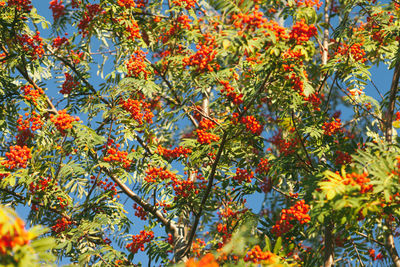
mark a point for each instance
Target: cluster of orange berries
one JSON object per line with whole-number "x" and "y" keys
{"x": 207, "y": 260}
{"x": 173, "y": 153}
{"x": 139, "y": 110}
{"x": 309, "y": 3}
{"x": 227, "y": 213}
{"x": 32, "y": 45}
{"x": 40, "y": 186}
{"x": 12, "y": 233}
{"x": 333, "y": 127}
{"x": 358, "y": 179}
{"x": 27, "y": 126}
{"x": 187, "y": 4}
{"x": 115, "y": 155}
{"x": 69, "y": 84}
{"x": 302, "y": 32}
{"x": 285, "y": 146}
{"x": 63, "y": 121}
{"x": 90, "y": 12}
{"x": 185, "y": 188}
{"x": 154, "y": 174}
{"x": 203, "y": 59}
{"x": 236, "y": 98}
{"x": 249, "y": 21}
{"x": 243, "y": 175}
{"x": 140, "y": 212}
{"x": 315, "y": 100}
{"x": 17, "y": 157}
{"x": 356, "y": 51}
{"x": 204, "y": 137}
{"x": 379, "y": 256}
{"x": 57, "y": 8}
{"x": 21, "y": 5}
{"x": 252, "y": 125}
{"x": 342, "y": 158}
{"x": 298, "y": 213}
{"x": 256, "y": 255}
{"x": 31, "y": 94}
{"x": 183, "y": 22}
{"x": 61, "y": 225}
{"x": 263, "y": 166}
{"x": 136, "y": 65}
{"x": 58, "y": 41}
{"x": 126, "y": 3}
{"x": 107, "y": 187}
{"x": 133, "y": 30}
{"x": 139, "y": 240}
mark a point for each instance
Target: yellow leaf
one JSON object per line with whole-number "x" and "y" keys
{"x": 226, "y": 43}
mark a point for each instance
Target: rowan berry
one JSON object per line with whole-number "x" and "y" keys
{"x": 256, "y": 255}
{"x": 296, "y": 213}
{"x": 17, "y": 157}
{"x": 63, "y": 121}
{"x": 138, "y": 241}
{"x": 57, "y": 8}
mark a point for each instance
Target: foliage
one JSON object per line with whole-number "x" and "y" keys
{"x": 157, "y": 126}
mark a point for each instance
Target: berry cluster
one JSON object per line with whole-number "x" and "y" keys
{"x": 58, "y": 41}
{"x": 243, "y": 175}
{"x": 21, "y": 5}
{"x": 69, "y": 84}
{"x": 17, "y": 157}
{"x": 207, "y": 260}
{"x": 198, "y": 246}
{"x": 361, "y": 180}
{"x": 154, "y": 174}
{"x": 285, "y": 146}
{"x": 140, "y": 212}
{"x": 173, "y": 153}
{"x": 301, "y": 32}
{"x": 331, "y": 128}
{"x": 136, "y": 65}
{"x": 115, "y": 155}
{"x": 40, "y": 186}
{"x": 256, "y": 255}
{"x": 309, "y": 3}
{"x": 12, "y": 233}
{"x": 90, "y": 12}
{"x": 126, "y": 3}
{"x": 27, "y": 126}
{"x": 204, "y": 137}
{"x": 187, "y": 4}
{"x": 263, "y": 166}
{"x": 298, "y": 213}
{"x": 315, "y": 100}
{"x": 61, "y": 225}
{"x": 379, "y": 256}
{"x": 342, "y": 158}
{"x": 183, "y": 22}
{"x": 63, "y": 121}
{"x": 139, "y": 109}
{"x": 31, "y": 94}
{"x": 252, "y": 125}
{"x": 33, "y": 46}
{"x": 109, "y": 187}
{"x": 355, "y": 51}
{"x": 203, "y": 59}
{"x": 249, "y": 22}
{"x": 139, "y": 240}
{"x": 57, "y": 8}
{"x": 236, "y": 98}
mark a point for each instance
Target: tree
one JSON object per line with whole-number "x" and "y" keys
{"x": 178, "y": 112}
